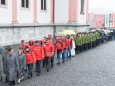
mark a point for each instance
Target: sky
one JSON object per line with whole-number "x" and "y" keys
{"x": 102, "y": 6}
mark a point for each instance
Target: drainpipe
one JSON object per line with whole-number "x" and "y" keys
{"x": 54, "y": 27}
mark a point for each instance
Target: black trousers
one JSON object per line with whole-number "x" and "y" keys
{"x": 48, "y": 60}
{"x": 30, "y": 68}
{"x": 44, "y": 62}
{"x": 52, "y": 61}
{"x": 38, "y": 66}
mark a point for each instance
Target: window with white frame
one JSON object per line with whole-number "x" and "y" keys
{"x": 25, "y": 3}
{"x": 43, "y": 4}
{"x": 2, "y": 2}
{"x": 82, "y": 6}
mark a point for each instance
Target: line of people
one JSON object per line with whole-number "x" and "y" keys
{"x": 33, "y": 53}
{"x": 85, "y": 41}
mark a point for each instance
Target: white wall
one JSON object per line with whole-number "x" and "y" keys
{"x": 6, "y": 13}
{"x": 82, "y": 17}
{"x": 24, "y": 15}
{"x": 61, "y": 11}
{"x": 44, "y": 16}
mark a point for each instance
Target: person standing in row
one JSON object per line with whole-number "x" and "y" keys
{"x": 69, "y": 44}
{"x": 44, "y": 60}
{"x": 50, "y": 38}
{"x": 73, "y": 47}
{"x": 64, "y": 53}
{"x": 2, "y": 52}
{"x": 23, "y": 44}
{"x": 31, "y": 45}
{"x": 30, "y": 60}
{"x": 22, "y": 64}
{"x": 39, "y": 54}
{"x": 12, "y": 66}
{"x": 59, "y": 49}
{"x": 49, "y": 53}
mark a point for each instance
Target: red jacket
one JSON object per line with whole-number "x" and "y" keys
{"x": 30, "y": 57}
{"x": 58, "y": 46}
{"x": 64, "y": 44}
{"x": 69, "y": 42}
{"x": 39, "y": 52}
{"x": 23, "y": 45}
{"x": 48, "y": 50}
{"x": 31, "y": 47}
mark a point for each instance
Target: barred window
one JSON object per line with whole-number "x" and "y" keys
{"x": 43, "y": 4}
{"x": 25, "y": 3}
{"x": 82, "y": 6}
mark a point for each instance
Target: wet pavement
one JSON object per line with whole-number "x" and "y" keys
{"x": 95, "y": 67}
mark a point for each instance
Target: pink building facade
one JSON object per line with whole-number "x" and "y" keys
{"x": 43, "y": 11}
{"x": 35, "y": 19}
{"x": 113, "y": 20}
{"x": 96, "y": 20}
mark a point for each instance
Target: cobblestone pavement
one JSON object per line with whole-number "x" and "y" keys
{"x": 95, "y": 67}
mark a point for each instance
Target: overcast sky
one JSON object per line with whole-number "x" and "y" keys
{"x": 102, "y": 6}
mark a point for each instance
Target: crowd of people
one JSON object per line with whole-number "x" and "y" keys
{"x": 85, "y": 41}
{"x": 40, "y": 53}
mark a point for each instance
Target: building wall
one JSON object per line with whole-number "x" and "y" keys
{"x": 61, "y": 11}
{"x": 14, "y": 34}
{"x": 113, "y": 20}
{"x": 44, "y": 16}
{"x": 6, "y": 13}
{"x": 25, "y": 15}
{"x": 99, "y": 21}
{"x": 82, "y": 17}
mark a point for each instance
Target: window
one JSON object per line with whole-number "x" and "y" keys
{"x": 25, "y": 3}
{"x": 82, "y": 7}
{"x": 3, "y": 2}
{"x": 43, "y": 4}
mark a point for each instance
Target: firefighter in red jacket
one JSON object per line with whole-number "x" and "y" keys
{"x": 49, "y": 53}
{"x": 30, "y": 60}
{"x": 64, "y": 44}
{"x": 69, "y": 45}
{"x": 59, "y": 49}
{"x": 39, "y": 53}
{"x": 31, "y": 45}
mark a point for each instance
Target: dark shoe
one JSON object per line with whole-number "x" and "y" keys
{"x": 47, "y": 70}
{"x": 58, "y": 64}
{"x": 38, "y": 74}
